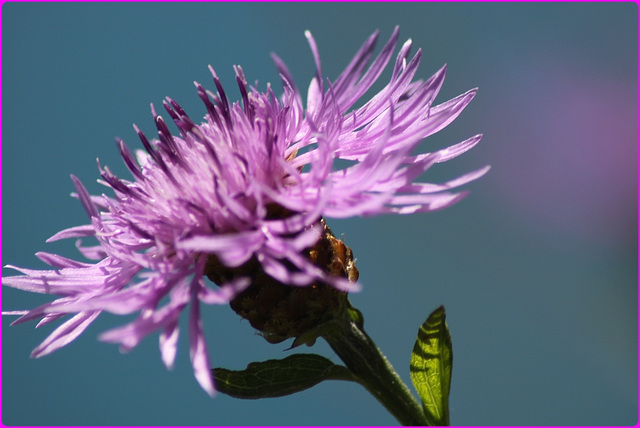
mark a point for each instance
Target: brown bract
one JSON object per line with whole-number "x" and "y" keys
{"x": 282, "y": 311}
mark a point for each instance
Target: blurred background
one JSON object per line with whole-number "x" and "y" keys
{"x": 537, "y": 268}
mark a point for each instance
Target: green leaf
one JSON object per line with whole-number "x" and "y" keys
{"x": 431, "y": 362}
{"x": 275, "y": 378}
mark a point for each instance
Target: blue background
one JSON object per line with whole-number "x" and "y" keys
{"x": 537, "y": 268}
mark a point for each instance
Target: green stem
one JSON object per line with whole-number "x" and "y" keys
{"x": 373, "y": 371}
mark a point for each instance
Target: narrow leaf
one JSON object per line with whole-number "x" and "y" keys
{"x": 275, "y": 378}
{"x": 431, "y": 362}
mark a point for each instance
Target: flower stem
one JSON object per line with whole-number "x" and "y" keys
{"x": 373, "y": 371}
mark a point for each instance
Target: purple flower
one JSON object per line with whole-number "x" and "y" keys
{"x": 253, "y": 182}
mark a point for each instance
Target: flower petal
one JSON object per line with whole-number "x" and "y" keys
{"x": 65, "y": 333}
{"x": 198, "y": 350}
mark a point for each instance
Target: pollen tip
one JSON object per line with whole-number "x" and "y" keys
{"x": 213, "y": 72}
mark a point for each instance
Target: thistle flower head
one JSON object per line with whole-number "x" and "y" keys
{"x": 241, "y": 199}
